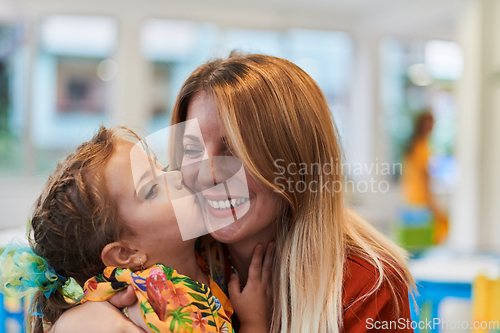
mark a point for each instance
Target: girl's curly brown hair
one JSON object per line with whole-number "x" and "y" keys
{"x": 73, "y": 219}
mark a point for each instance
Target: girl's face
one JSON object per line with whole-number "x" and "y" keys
{"x": 256, "y": 215}
{"x": 146, "y": 203}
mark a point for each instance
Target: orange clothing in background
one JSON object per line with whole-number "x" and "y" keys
{"x": 414, "y": 179}
{"x": 415, "y": 182}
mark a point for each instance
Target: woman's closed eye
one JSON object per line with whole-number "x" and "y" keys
{"x": 193, "y": 151}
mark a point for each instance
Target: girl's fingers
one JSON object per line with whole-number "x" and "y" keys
{"x": 268, "y": 263}
{"x": 255, "y": 269}
{"x": 234, "y": 287}
{"x": 124, "y": 298}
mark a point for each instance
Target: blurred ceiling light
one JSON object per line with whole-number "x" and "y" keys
{"x": 419, "y": 75}
{"x": 167, "y": 39}
{"x": 444, "y": 59}
{"x": 107, "y": 69}
{"x": 93, "y": 36}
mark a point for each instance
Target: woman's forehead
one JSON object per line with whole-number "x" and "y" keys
{"x": 201, "y": 105}
{"x": 202, "y": 108}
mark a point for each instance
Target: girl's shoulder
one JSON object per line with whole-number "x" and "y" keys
{"x": 366, "y": 304}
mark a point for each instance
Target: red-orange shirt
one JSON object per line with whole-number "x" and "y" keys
{"x": 377, "y": 312}
{"x": 359, "y": 278}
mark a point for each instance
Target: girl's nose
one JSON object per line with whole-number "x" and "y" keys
{"x": 174, "y": 179}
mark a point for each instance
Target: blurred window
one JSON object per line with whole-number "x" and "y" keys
{"x": 71, "y": 88}
{"x": 176, "y": 48}
{"x": 11, "y": 149}
{"x": 420, "y": 75}
{"x": 79, "y": 88}
{"x": 73, "y": 65}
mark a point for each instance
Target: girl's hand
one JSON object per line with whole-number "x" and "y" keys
{"x": 134, "y": 314}
{"x": 254, "y": 303}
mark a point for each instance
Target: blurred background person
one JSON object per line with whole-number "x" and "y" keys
{"x": 416, "y": 181}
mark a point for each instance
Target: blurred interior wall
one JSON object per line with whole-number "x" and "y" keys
{"x": 476, "y": 207}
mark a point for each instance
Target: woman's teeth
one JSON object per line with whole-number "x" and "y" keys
{"x": 220, "y": 205}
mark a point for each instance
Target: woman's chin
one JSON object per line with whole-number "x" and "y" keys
{"x": 228, "y": 234}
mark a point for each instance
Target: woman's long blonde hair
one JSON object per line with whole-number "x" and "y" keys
{"x": 273, "y": 114}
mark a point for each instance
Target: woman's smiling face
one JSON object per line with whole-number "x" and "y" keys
{"x": 253, "y": 208}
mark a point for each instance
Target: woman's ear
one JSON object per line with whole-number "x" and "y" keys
{"x": 119, "y": 254}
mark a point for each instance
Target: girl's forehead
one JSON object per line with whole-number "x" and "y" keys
{"x": 118, "y": 168}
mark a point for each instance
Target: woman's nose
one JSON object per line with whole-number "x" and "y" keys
{"x": 217, "y": 169}
{"x": 206, "y": 174}
{"x": 174, "y": 179}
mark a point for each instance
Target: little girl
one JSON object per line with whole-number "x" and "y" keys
{"x": 94, "y": 225}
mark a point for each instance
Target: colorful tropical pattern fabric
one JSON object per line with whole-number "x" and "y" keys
{"x": 215, "y": 260}
{"x": 169, "y": 301}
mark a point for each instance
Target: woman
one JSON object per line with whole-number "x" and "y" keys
{"x": 416, "y": 182}
{"x": 333, "y": 271}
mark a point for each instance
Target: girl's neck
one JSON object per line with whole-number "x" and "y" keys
{"x": 185, "y": 263}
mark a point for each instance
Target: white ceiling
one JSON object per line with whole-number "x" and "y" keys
{"x": 424, "y": 18}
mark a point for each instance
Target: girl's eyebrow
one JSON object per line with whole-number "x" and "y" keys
{"x": 148, "y": 172}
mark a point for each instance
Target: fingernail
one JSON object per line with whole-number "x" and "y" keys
{"x": 233, "y": 270}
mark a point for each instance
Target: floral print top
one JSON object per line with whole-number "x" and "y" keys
{"x": 214, "y": 259}
{"x": 169, "y": 301}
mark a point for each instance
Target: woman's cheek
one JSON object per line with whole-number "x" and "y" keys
{"x": 190, "y": 173}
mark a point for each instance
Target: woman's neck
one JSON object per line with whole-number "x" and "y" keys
{"x": 241, "y": 252}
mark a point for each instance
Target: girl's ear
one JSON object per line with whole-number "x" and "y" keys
{"x": 119, "y": 254}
